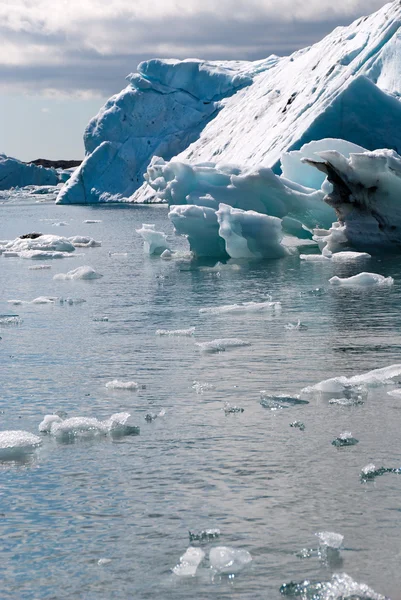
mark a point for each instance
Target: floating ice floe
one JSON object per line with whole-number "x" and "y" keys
{"x": 243, "y": 307}
{"x": 340, "y": 586}
{"x": 15, "y": 444}
{"x": 100, "y": 319}
{"x": 221, "y": 344}
{"x": 155, "y": 242}
{"x": 363, "y": 280}
{"x": 370, "y": 472}
{"x": 228, "y": 561}
{"x": 176, "y": 332}
{"x": 39, "y": 268}
{"x": 10, "y": 320}
{"x": 230, "y": 409}
{"x": 277, "y": 402}
{"x": 103, "y": 561}
{"x": 200, "y": 388}
{"x": 84, "y": 273}
{"x": 189, "y": 562}
{"x": 355, "y": 400}
{"x": 396, "y": 393}
{"x": 355, "y": 387}
{"x": 345, "y": 439}
{"x": 74, "y": 427}
{"x": 60, "y": 224}
{"x": 205, "y": 535}
{"x": 150, "y": 417}
{"x": 116, "y": 384}
{"x": 337, "y": 257}
{"x": 93, "y": 221}
{"x": 330, "y": 539}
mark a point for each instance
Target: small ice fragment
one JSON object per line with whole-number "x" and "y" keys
{"x": 100, "y": 319}
{"x": 46, "y": 424}
{"x": 88, "y": 427}
{"x": 345, "y": 439}
{"x": 10, "y": 320}
{"x": 316, "y": 292}
{"x": 363, "y": 280}
{"x": 228, "y": 561}
{"x": 79, "y": 241}
{"x": 44, "y": 300}
{"x": 84, "y": 273}
{"x": 189, "y": 562}
{"x": 116, "y": 384}
{"x": 244, "y": 307}
{"x": 314, "y": 257}
{"x": 202, "y": 387}
{"x": 166, "y": 255}
{"x": 155, "y": 242}
{"x": 149, "y": 417}
{"x": 103, "y": 561}
{"x": 221, "y": 344}
{"x": 274, "y": 402}
{"x": 295, "y": 326}
{"x": 229, "y": 409}
{"x": 14, "y": 444}
{"x": 204, "y": 535}
{"x": 60, "y": 224}
{"x": 306, "y": 553}
{"x": 329, "y": 539}
{"x": 39, "y": 267}
{"x": 396, "y": 393}
{"x": 92, "y": 221}
{"x": 347, "y": 401}
{"x": 176, "y": 332}
{"x": 341, "y": 586}
{"x": 298, "y": 425}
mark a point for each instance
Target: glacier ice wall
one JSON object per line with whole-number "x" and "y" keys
{"x": 14, "y": 173}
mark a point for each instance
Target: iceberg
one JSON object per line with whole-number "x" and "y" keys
{"x": 199, "y": 225}
{"x": 189, "y": 562}
{"x": 65, "y": 429}
{"x": 14, "y": 173}
{"x": 186, "y": 109}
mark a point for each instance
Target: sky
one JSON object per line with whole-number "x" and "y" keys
{"x": 61, "y": 59}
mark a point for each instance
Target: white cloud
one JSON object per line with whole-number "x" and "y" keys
{"x": 84, "y": 45}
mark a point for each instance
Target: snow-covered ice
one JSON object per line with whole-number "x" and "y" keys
{"x": 116, "y": 384}
{"x": 228, "y": 561}
{"x": 15, "y": 444}
{"x": 363, "y": 280}
{"x": 221, "y": 344}
{"x": 189, "y": 562}
{"x": 84, "y": 273}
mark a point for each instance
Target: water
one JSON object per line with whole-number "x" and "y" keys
{"x": 129, "y": 503}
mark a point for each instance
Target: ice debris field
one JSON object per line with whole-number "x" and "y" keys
{"x": 259, "y": 163}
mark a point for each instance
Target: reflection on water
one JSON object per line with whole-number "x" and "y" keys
{"x": 264, "y": 485}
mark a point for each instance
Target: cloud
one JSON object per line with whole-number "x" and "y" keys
{"x": 84, "y": 47}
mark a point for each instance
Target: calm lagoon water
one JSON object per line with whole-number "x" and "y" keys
{"x": 268, "y": 487}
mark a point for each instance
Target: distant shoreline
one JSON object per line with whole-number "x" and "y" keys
{"x": 56, "y": 164}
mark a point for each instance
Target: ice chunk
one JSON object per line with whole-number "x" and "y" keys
{"x": 228, "y": 561}
{"x": 155, "y": 241}
{"x": 248, "y": 234}
{"x": 93, "y": 221}
{"x": 396, "y": 393}
{"x": 176, "y": 332}
{"x": 100, "y": 319}
{"x": 345, "y": 439}
{"x": 84, "y": 273}
{"x": 149, "y": 417}
{"x": 39, "y": 243}
{"x": 363, "y": 280}
{"x": 44, "y": 300}
{"x": 349, "y": 256}
{"x": 15, "y": 444}
{"x": 202, "y": 387}
{"x": 340, "y": 587}
{"x": 39, "y": 267}
{"x": 189, "y": 562}
{"x": 10, "y": 320}
{"x": 329, "y": 539}
{"x": 298, "y": 424}
{"x": 79, "y": 241}
{"x": 356, "y": 386}
{"x": 60, "y": 224}
{"x": 243, "y": 307}
{"x": 230, "y": 409}
{"x": 355, "y": 401}
{"x": 73, "y": 427}
{"x": 116, "y": 384}
{"x": 103, "y": 561}
{"x": 199, "y": 225}
{"x": 314, "y": 257}
{"x": 295, "y": 326}
{"x": 221, "y": 344}
{"x": 166, "y": 255}
{"x": 273, "y": 402}
{"x": 204, "y": 535}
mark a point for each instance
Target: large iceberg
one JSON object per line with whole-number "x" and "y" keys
{"x": 14, "y": 173}
{"x": 346, "y": 86}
